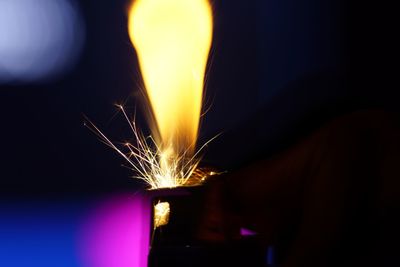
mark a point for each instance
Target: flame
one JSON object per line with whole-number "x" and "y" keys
{"x": 172, "y": 39}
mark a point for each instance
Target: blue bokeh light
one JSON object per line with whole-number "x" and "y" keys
{"x": 40, "y": 233}
{"x": 39, "y": 39}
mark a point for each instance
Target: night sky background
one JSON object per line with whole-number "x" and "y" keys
{"x": 278, "y": 70}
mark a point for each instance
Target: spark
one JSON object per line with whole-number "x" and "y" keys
{"x": 151, "y": 164}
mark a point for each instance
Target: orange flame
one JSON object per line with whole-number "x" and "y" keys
{"x": 172, "y": 39}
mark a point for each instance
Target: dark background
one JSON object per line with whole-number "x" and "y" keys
{"x": 279, "y": 69}
{"x": 287, "y": 58}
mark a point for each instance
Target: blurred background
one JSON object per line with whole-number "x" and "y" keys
{"x": 278, "y": 69}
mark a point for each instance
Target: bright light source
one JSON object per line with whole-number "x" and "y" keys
{"x": 172, "y": 41}
{"x": 161, "y": 214}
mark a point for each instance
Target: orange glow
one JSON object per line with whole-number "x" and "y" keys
{"x": 172, "y": 39}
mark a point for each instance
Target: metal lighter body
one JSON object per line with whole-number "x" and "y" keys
{"x": 174, "y": 240}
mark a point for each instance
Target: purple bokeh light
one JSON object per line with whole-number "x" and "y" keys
{"x": 247, "y": 232}
{"x": 116, "y": 233}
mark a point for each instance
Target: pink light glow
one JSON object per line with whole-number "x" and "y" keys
{"x": 116, "y": 233}
{"x": 247, "y": 232}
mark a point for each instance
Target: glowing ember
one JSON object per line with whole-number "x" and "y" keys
{"x": 172, "y": 40}
{"x": 161, "y": 214}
